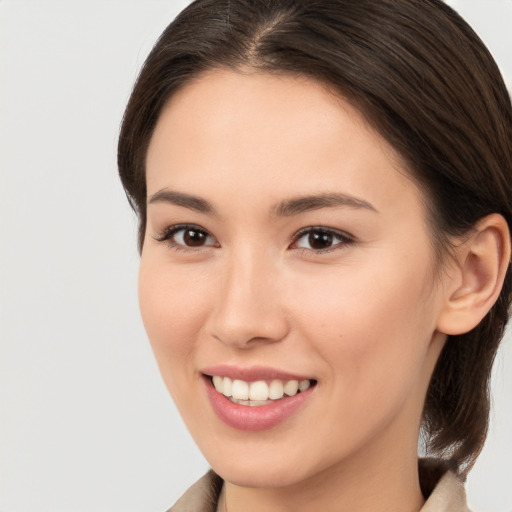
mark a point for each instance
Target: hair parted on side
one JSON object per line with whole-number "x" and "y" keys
{"x": 424, "y": 80}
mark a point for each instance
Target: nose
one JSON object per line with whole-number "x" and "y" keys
{"x": 248, "y": 309}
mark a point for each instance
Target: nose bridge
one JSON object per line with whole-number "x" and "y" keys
{"x": 248, "y": 306}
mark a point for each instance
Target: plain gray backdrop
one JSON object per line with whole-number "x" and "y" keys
{"x": 85, "y": 421}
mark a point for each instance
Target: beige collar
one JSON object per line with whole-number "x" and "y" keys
{"x": 447, "y": 496}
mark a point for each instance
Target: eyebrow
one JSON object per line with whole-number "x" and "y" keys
{"x": 286, "y": 208}
{"x": 304, "y": 204}
{"x": 180, "y": 199}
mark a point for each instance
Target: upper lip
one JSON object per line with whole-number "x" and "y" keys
{"x": 252, "y": 373}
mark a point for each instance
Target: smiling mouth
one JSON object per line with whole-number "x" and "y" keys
{"x": 259, "y": 393}
{"x": 256, "y": 398}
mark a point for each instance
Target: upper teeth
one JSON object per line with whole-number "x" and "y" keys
{"x": 259, "y": 390}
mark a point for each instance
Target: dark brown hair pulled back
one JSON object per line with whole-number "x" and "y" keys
{"x": 424, "y": 81}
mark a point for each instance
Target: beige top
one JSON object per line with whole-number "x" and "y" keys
{"x": 447, "y": 496}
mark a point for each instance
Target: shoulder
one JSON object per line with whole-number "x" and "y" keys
{"x": 200, "y": 497}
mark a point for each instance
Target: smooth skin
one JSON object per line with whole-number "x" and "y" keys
{"x": 344, "y": 288}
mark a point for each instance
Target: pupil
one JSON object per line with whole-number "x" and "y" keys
{"x": 194, "y": 238}
{"x": 320, "y": 240}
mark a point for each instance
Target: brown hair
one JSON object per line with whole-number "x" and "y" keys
{"x": 425, "y": 81}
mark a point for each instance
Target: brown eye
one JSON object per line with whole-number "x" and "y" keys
{"x": 194, "y": 238}
{"x": 321, "y": 239}
{"x": 183, "y": 236}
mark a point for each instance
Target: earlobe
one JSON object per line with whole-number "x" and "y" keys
{"x": 474, "y": 281}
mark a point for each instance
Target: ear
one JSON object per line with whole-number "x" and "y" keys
{"x": 473, "y": 283}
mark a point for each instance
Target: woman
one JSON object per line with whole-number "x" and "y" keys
{"x": 324, "y": 195}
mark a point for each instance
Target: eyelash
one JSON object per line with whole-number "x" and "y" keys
{"x": 343, "y": 239}
{"x": 168, "y": 236}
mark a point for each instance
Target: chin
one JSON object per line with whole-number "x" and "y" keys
{"x": 257, "y": 475}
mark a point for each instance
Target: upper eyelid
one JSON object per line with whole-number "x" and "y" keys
{"x": 171, "y": 230}
{"x": 337, "y": 232}
{"x": 344, "y": 239}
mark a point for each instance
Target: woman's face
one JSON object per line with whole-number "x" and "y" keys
{"x": 286, "y": 248}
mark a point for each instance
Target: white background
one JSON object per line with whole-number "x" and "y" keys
{"x": 85, "y": 422}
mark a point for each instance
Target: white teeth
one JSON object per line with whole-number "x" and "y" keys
{"x": 304, "y": 384}
{"x": 291, "y": 387}
{"x": 276, "y": 390}
{"x": 250, "y": 403}
{"x": 227, "y": 386}
{"x": 240, "y": 390}
{"x": 218, "y": 383}
{"x": 258, "y": 392}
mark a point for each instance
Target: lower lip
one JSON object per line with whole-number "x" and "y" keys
{"x": 263, "y": 417}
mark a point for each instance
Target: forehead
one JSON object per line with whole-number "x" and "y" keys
{"x": 271, "y": 135}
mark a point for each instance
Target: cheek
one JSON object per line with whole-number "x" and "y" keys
{"x": 172, "y": 304}
{"x": 372, "y": 325}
